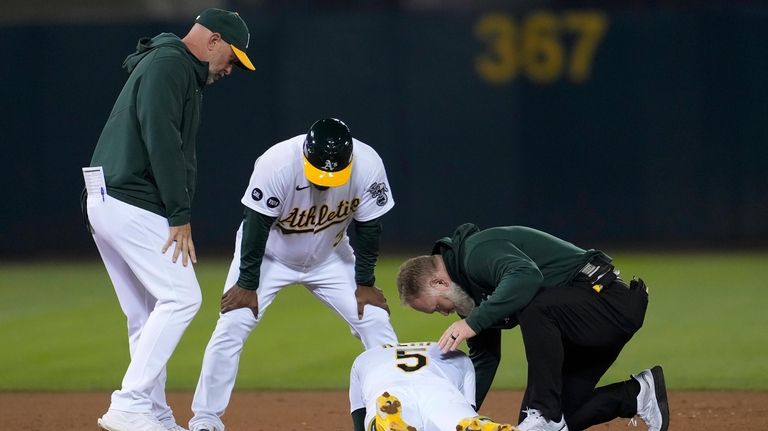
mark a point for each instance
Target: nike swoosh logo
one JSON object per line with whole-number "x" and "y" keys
{"x": 298, "y": 188}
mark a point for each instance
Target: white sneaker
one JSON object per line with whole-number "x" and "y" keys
{"x": 536, "y": 422}
{"x": 116, "y": 420}
{"x": 652, "y": 405}
{"x": 169, "y": 422}
{"x": 205, "y": 427}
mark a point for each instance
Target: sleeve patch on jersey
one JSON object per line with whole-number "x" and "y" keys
{"x": 272, "y": 202}
{"x": 257, "y": 194}
{"x": 379, "y": 191}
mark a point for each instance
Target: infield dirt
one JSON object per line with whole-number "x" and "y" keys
{"x": 328, "y": 411}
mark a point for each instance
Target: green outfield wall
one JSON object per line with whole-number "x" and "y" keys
{"x": 634, "y": 124}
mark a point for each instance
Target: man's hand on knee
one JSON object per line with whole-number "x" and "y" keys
{"x": 370, "y": 295}
{"x": 237, "y": 297}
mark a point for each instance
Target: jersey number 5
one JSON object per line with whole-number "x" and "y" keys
{"x": 405, "y": 358}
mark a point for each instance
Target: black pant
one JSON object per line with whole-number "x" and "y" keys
{"x": 572, "y": 335}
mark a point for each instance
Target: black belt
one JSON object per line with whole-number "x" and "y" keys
{"x": 597, "y": 269}
{"x": 599, "y": 273}
{"x": 84, "y": 209}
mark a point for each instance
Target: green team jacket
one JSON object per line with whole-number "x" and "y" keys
{"x": 502, "y": 268}
{"x": 147, "y": 147}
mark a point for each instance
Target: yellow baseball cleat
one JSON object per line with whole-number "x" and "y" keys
{"x": 388, "y": 414}
{"x": 482, "y": 423}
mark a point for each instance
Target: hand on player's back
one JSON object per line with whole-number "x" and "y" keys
{"x": 369, "y": 295}
{"x": 237, "y": 297}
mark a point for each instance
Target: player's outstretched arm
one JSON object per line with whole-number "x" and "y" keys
{"x": 366, "y": 243}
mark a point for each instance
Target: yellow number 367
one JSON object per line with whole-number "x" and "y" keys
{"x": 544, "y": 46}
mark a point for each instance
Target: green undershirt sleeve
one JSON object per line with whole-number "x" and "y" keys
{"x": 255, "y": 233}
{"x": 358, "y": 419}
{"x": 365, "y": 243}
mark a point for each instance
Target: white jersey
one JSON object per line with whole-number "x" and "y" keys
{"x": 436, "y": 390}
{"x": 312, "y": 223}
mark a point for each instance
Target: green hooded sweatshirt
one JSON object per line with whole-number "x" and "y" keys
{"x": 502, "y": 269}
{"x": 147, "y": 147}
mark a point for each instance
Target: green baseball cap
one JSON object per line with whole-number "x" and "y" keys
{"x": 232, "y": 29}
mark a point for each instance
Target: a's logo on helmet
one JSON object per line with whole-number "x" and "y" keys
{"x": 329, "y": 165}
{"x": 379, "y": 191}
{"x": 257, "y": 194}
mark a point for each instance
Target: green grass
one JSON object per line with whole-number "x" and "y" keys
{"x": 61, "y": 328}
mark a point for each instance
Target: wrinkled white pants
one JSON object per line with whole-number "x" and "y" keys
{"x": 159, "y": 297}
{"x": 332, "y": 282}
{"x": 437, "y": 406}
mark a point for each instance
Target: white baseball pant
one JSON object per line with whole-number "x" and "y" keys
{"x": 159, "y": 297}
{"x": 438, "y": 406}
{"x": 332, "y": 282}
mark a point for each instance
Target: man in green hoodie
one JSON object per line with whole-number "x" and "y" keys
{"x": 139, "y": 190}
{"x": 574, "y": 311}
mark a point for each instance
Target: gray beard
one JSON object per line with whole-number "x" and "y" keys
{"x": 461, "y": 300}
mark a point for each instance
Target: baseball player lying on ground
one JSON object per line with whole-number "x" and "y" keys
{"x": 415, "y": 387}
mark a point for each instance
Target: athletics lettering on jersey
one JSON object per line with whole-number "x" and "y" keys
{"x": 311, "y": 224}
{"x": 316, "y": 219}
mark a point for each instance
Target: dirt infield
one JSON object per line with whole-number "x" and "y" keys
{"x": 327, "y": 411}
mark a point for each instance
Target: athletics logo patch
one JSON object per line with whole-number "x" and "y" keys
{"x": 257, "y": 194}
{"x": 379, "y": 191}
